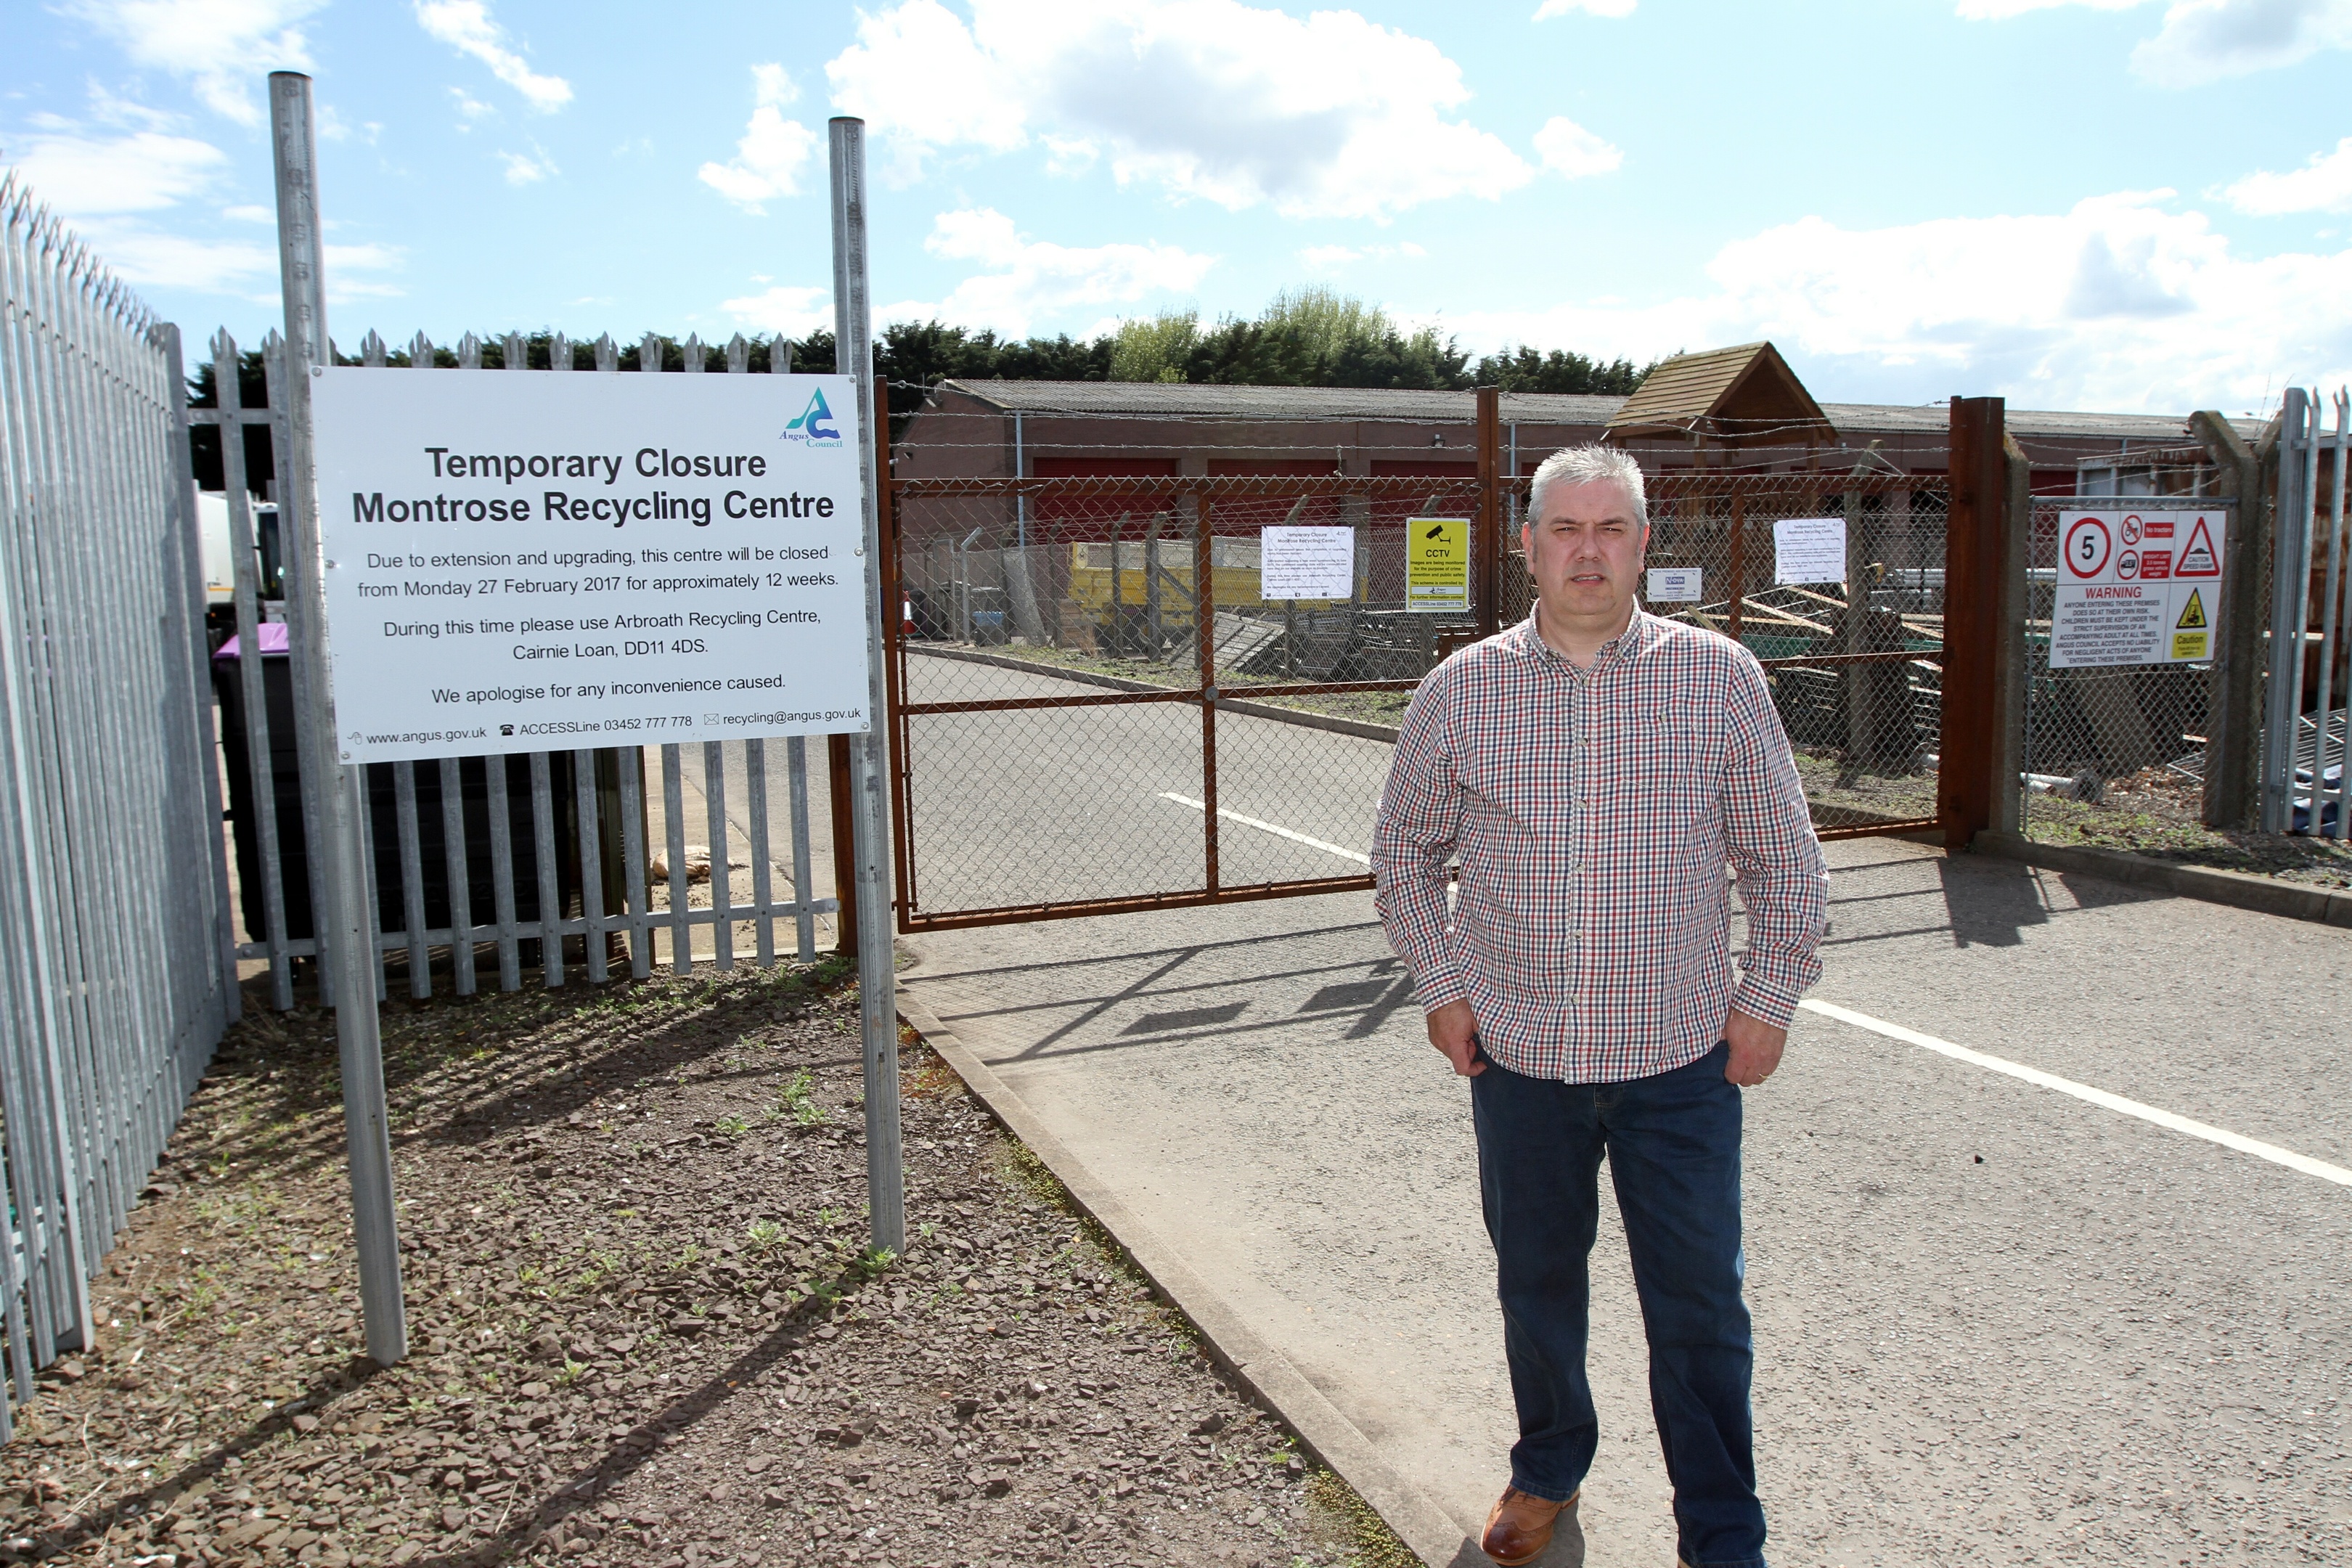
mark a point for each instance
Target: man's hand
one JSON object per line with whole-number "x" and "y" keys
{"x": 1453, "y": 1030}
{"x": 1755, "y": 1045}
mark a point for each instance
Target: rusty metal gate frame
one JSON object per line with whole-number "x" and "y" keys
{"x": 1203, "y": 493}
{"x": 1496, "y": 502}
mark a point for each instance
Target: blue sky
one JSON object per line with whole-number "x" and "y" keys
{"x": 2094, "y": 204}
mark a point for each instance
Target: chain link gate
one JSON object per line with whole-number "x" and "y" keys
{"x": 2114, "y": 753}
{"x": 1855, "y": 667}
{"x": 1064, "y": 742}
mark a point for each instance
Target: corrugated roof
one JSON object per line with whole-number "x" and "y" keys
{"x": 1178, "y": 400}
{"x": 1135, "y": 399}
{"x": 1936, "y": 419}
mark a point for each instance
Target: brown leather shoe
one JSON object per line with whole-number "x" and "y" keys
{"x": 1519, "y": 1526}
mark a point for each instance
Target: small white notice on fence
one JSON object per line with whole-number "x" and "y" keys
{"x": 1298, "y": 563}
{"x": 527, "y": 563}
{"x": 2137, "y": 587}
{"x": 1808, "y": 550}
{"x": 1675, "y": 586}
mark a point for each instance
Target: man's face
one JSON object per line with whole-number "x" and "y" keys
{"x": 1585, "y": 552}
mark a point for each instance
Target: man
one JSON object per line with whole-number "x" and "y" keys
{"x": 1594, "y": 769}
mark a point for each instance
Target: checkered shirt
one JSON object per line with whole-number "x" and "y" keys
{"x": 1593, "y": 813}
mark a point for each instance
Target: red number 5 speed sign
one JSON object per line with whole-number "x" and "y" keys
{"x": 2086, "y": 547}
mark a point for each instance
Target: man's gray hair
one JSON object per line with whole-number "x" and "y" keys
{"x": 1591, "y": 465}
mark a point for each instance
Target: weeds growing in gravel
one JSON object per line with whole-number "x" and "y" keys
{"x": 799, "y": 1101}
{"x": 621, "y": 1355}
{"x": 1369, "y": 1543}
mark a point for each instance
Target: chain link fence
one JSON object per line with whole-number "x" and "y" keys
{"x": 1068, "y": 745}
{"x": 1099, "y": 707}
{"x": 2115, "y": 755}
{"x": 1856, "y": 677}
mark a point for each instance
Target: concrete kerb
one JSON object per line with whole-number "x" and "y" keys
{"x": 2238, "y": 889}
{"x": 1327, "y": 1436}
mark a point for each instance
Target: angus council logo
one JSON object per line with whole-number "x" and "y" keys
{"x": 815, "y": 423}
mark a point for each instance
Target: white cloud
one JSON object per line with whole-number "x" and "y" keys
{"x": 2205, "y": 40}
{"x": 774, "y": 150}
{"x": 342, "y": 288}
{"x": 225, "y": 46}
{"x": 1550, "y": 8}
{"x": 2323, "y": 185}
{"x": 470, "y": 108}
{"x": 333, "y": 127}
{"x": 112, "y": 188}
{"x": 2125, "y": 302}
{"x": 2002, "y": 10}
{"x": 150, "y": 258}
{"x": 1332, "y": 116}
{"x": 467, "y": 26}
{"x": 1022, "y": 278}
{"x": 86, "y": 176}
{"x": 795, "y": 312}
{"x": 1332, "y": 257}
{"x": 528, "y": 168}
{"x": 1571, "y": 150}
{"x": 770, "y": 83}
{"x": 920, "y": 77}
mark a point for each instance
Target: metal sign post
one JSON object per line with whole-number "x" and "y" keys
{"x": 877, "y": 988}
{"x": 351, "y": 948}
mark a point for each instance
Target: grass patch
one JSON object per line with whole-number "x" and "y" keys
{"x": 1362, "y": 1538}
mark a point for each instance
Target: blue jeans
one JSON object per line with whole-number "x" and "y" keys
{"x": 1673, "y": 1142}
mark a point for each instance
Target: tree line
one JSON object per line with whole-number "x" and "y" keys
{"x": 1305, "y": 337}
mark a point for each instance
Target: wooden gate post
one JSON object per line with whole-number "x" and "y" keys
{"x": 1973, "y": 535}
{"x": 1487, "y": 570}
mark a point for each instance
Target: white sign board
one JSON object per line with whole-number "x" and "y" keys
{"x": 1808, "y": 550}
{"x": 1675, "y": 586}
{"x": 1296, "y": 562}
{"x": 520, "y": 563}
{"x": 2137, "y": 587}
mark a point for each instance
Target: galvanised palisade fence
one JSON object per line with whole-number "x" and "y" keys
{"x": 522, "y": 856}
{"x": 2303, "y": 745}
{"x": 115, "y": 985}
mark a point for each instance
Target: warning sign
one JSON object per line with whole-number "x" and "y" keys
{"x": 2119, "y": 602}
{"x": 2197, "y": 557}
{"x": 2191, "y": 637}
{"x": 1437, "y": 565}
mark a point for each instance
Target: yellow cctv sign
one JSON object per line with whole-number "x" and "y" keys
{"x": 1437, "y": 563}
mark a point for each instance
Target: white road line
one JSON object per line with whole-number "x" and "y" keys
{"x": 2099, "y": 1097}
{"x": 1269, "y": 827}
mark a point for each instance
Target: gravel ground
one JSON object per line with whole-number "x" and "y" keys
{"x": 645, "y": 1325}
